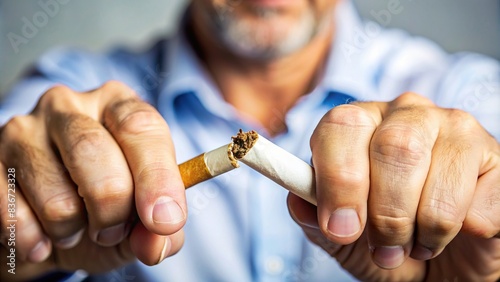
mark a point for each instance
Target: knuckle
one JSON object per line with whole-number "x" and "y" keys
{"x": 349, "y": 115}
{"x": 159, "y": 171}
{"x": 16, "y": 126}
{"x": 85, "y": 143}
{"x": 391, "y": 226}
{"x": 118, "y": 90}
{"x": 440, "y": 217}
{"x": 61, "y": 207}
{"x": 409, "y": 98}
{"x": 440, "y": 226}
{"x": 117, "y": 87}
{"x": 400, "y": 146}
{"x": 480, "y": 224}
{"x": 51, "y": 97}
{"x": 347, "y": 178}
{"x": 140, "y": 121}
{"x": 106, "y": 191}
{"x": 463, "y": 120}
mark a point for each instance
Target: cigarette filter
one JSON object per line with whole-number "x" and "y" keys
{"x": 207, "y": 166}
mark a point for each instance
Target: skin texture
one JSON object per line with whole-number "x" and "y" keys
{"x": 402, "y": 173}
{"x": 263, "y": 89}
{"x": 263, "y": 31}
{"x": 417, "y": 176}
{"x": 63, "y": 188}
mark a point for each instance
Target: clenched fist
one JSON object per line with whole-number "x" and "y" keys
{"x": 97, "y": 183}
{"x": 406, "y": 191}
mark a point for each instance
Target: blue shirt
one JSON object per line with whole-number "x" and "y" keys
{"x": 238, "y": 226}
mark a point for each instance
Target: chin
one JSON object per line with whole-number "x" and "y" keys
{"x": 263, "y": 32}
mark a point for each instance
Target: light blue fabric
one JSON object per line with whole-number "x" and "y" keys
{"x": 238, "y": 227}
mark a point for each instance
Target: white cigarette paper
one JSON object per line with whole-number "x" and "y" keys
{"x": 218, "y": 161}
{"x": 262, "y": 155}
{"x": 207, "y": 165}
{"x": 276, "y": 164}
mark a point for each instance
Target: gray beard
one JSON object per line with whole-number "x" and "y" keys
{"x": 264, "y": 41}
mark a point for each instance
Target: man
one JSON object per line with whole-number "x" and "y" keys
{"x": 407, "y": 190}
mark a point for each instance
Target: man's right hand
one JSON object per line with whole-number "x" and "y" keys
{"x": 97, "y": 183}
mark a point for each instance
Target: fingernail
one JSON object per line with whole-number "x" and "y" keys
{"x": 71, "y": 241}
{"x": 111, "y": 235}
{"x": 40, "y": 252}
{"x": 421, "y": 253}
{"x": 388, "y": 257}
{"x": 165, "y": 250}
{"x": 344, "y": 223}
{"x": 166, "y": 210}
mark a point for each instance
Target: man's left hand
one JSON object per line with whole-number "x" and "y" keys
{"x": 402, "y": 183}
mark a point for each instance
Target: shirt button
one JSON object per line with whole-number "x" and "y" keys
{"x": 274, "y": 265}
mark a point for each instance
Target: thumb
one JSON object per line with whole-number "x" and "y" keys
{"x": 150, "y": 248}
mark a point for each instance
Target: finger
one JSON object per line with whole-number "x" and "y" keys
{"x": 351, "y": 256}
{"x": 400, "y": 157}
{"x": 46, "y": 186}
{"x": 302, "y": 212}
{"x": 482, "y": 218}
{"x": 145, "y": 140}
{"x": 450, "y": 186}
{"x": 152, "y": 249}
{"x": 96, "y": 164}
{"x": 340, "y": 156}
{"x": 305, "y": 215}
{"x": 21, "y": 234}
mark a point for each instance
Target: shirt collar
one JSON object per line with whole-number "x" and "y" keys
{"x": 346, "y": 71}
{"x": 343, "y": 71}
{"x": 186, "y": 74}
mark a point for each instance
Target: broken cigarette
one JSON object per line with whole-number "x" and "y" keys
{"x": 275, "y": 163}
{"x": 260, "y": 154}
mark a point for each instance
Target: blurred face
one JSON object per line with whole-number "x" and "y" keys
{"x": 265, "y": 29}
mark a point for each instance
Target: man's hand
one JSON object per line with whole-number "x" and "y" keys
{"x": 402, "y": 183}
{"x": 87, "y": 165}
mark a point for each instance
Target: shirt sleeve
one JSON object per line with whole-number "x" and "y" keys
{"x": 78, "y": 70}
{"x": 466, "y": 81}
{"x": 472, "y": 84}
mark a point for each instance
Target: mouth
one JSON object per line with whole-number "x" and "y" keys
{"x": 271, "y": 3}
